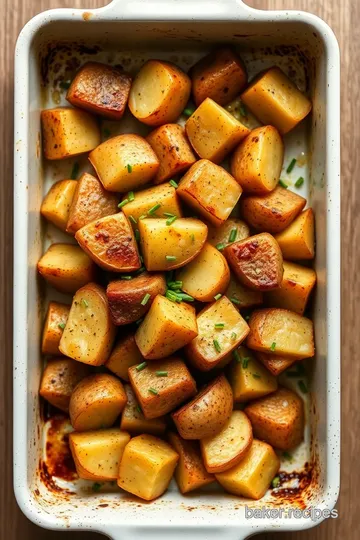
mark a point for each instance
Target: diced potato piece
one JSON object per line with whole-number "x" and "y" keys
{"x": 248, "y": 378}
{"x": 129, "y": 300}
{"x": 215, "y": 341}
{"x": 159, "y": 93}
{"x": 226, "y": 449}
{"x": 221, "y": 235}
{"x": 205, "y": 276}
{"x": 210, "y": 190}
{"x": 207, "y": 413}
{"x": 145, "y": 200}
{"x": 241, "y": 296}
{"x": 275, "y": 363}
{"x": 124, "y": 355}
{"x": 278, "y": 419}
{"x": 133, "y": 420}
{"x": 166, "y": 247}
{"x": 213, "y": 132}
{"x": 147, "y": 466}
{"x": 256, "y": 261}
{"x": 172, "y": 149}
{"x": 100, "y": 89}
{"x": 66, "y": 267}
{"x": 59, "y": 379}
{"x": 110, "y": 242}
{"x": 89, "y": 333}
{"x": 160, "y": 394}
{"x": 190, "y": 473}
{"x": 297, "y": 240}
{"x": 281, "y": 332}
{"x": 273, "y": 212}
{"x": 97, "y": 454}
{"x": 96, "y": 402}
{"x": 252, "y": 476}
{"x": 90, "y": 202}
{"x": 124, "y": 162}
{"x": 296, "y": 286}
{"x": 275, "y": 100}
{"x": 57, "y": 202}
{"x": 54, "y": 325}
{"x": 68, "y": 132}
{"x": 220, "y": 75}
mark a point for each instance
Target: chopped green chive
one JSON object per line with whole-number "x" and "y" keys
{"x": 125, "y": 201}
{"x": 153, "y": 391}
{"x": 276, "y": 482}
{"x": 188, "y": 111}
{"x": 65, "y": 85}
{"x": 217, "y": 345}
{"x": 106, "y": 133}
{"x": 233, "y": 234}
{"x": 161, "y": 373}
{"x": 273, "y": 346}
{"x": 247, "y": 317}
{"x": 173, "y": 184}
{"x": 140, "y": 271}
{"x": 141, "y": 366}
{"x": 168, "y": 214}
{"x": 96, "y": 486}
{"x": 237, "y": 356}
{"x": 137, "y": 235}
{"x": 256, "y": 376}
{"x": 291, "y": 165}
{"x": 61, "y": 325}
{"x": 126, "y": 277}
{"x": 175, "y": 285}
{"x": 133, "y": 220}
{"x": 138, "y": 322}
{"x": 219, "y": 325}
{"x": 131, "y": 196}
{"x": 153, "y": 209}
{"x": 283, "y": 184}
{"x": 192, "y": 236}
{"x": 185, "y": 297}
{"x": 286, "y": 455}
{"x": 299, "y": 182}
{"x": 170, "y": 257}
{"x": 220, "y": 246}
{"x": 243, "y": 110}
{"x": 75, "y": 171}
{"x": 217, "y": 296}
{"x": 233, "y": 335}
{"x": 235, "y": 300}
{"x": 145, "y": 300}
{"x": 245, "y": 361}
{"x": 172, "y": 296}
{"x": 143, "y": 216}
{"x": 138, "y": 408}
{"x": 129, "y": 168}
{"x": 303, "y": 387}
{"x": 171, "y": 220}
{"x": 84, "y": 302}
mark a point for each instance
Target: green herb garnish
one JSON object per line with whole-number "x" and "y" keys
{"x": 137, "y": 235}
{"x": 219, "y": 325}
{"x": 174, "y": 285}
{"x": 188, "y": 111}
{"x": 237, "y": 356}
{"x": 133, "y": 220}
{"x": 171, "y": 220}
{"x": 233, "y": 335}
{"x": 153, "y": 391}
{"x": 192, "y": 236}
{"x": 123, "y": 202}
{"x": 143, "y": 216}
{"x": 153, "y": 209}
{"x": 291, "y": 165}
{"x": 129, "y": 168}
{"x": 233, "y": 234}
{"x": 276, "y": 482}
{"x": 299, "y": 182}
{"x": 273, "y": 346}
{"x": 138, "y": 408}
{"x": 131, "y": 196}
{"x": 84, "y": 302}
{"x": 245, "y": 361}
{"x": 217, "y": 296}
{"x": 303, "y": 387}
{"x": 242, "y": 109}
{"x": 75, "y": 171}
{"x": 256, "y": 376}
{"x": 185, "y": 297}
{"x": 173, "y": 184}
{"x": 139, "y": 321}
{"x": 126, "y": 277}
{"x": 217, "y": 345}
{"x": 220, "y": 246}
{"x": 65, "y": 84}
{"x": 145, "y": 300}
{"x": 287, "y": 456}
{"x": 161, "y": 373}
{"x": 247, "y": 317}
{"x": 170, "y": 257}
{"x": 61, "y": 325}
{"x": 283, "y": 184}
{"x": 96, "y": 486}
{"x": 141, "y": 366}
{"x": 235, "y": 300}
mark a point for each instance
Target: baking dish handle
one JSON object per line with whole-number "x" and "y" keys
{"x": 193, "y": 533}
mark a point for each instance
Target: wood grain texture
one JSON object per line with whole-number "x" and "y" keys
{"x": 344, "y": 18}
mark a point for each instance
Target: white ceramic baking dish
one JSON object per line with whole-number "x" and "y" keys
{"x": 180, "y": 30}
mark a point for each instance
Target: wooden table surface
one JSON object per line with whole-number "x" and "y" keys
{"x": 344, "y": 17}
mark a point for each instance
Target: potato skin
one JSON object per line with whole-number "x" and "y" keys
{"x": 124, "y": 355}
{"x": 56, "y": 317}
{"x": 57, "y": 203}
{"x": 276, "y": 364}
{"x": 134, "y": 421}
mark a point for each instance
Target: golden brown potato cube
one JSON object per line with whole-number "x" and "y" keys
{"x": 281, "y": 332}
{"x": 54, "y": 325}
{"x": 110, "y": 242}
{"x": 124, "y": 162}
{"x": 129, "y": 300}
{"x": 297, "y": 241}
{"x": 278, "y": 419}
{"x": 173, "y": 150}
{"x": 190, "y": 473}
{"x": 275, "y": 100}
{"x": 210, "y": 190}
{"x": 57, "y": 202}
{"x": 133, "y": 420}
{"x": 161, "y": 386}
{"x": 221, "y": 329}
{"x": 241, "y": 296}
{"x": 207, "y": 413}
{"x": 248, "y": 378}
{"x": 256, "y": 163}
{"x": 159, "y": 93}
{"x": 100, "y": 89}
{"x": 96, "y": 402}
{"x": 89, "y": 332}
{"x": 252, "y": 476}
{"x": 66, "y": 267}
{"x": 124, "y": 355}
{"x": 256, "y": 261}
{"x": 59, "y": 379}
{"x": 273, "y": 212}
{"x": 296, "y": 286}
{"x": 220, "y": 75}
{"x": 232, "y": 230}
{"x": 90, "y": 202}
{"x": 275, "y": 363}
{"x": 68, "y": 132}
{"x": 147, "y": 466}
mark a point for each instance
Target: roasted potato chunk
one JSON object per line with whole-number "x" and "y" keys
{"x": 207, "y": 413}
{"x": 96, "y": 402}
{"x": 68, "y": 132}
{"x": 161, "y": 386}
{"x": 297, "y": 240}
{"x": 275, "y": 100}
{"x": 273, "y": 212}
{"x": 159, "y": 93}
{"x": 275, "y": 363}
{"x": 124, "y": 355}
{"x": 54, "y": 325}
{"x": 89, "y": 333}
{"x": 57, "y": 202}
{"x": 278, "y": 419}
{"x": 110, "y": 242}
{"x": 133, "y": 420}
{"x": 100, "y": 89}
{"x": 220, "y": 75}
{"x": 147, "y": 466}
{"x": 281, "y": 332}
{"x": 232, "y": 230}
{"x": 124, "y": 162}
{"x": 213, "y": 132}
{"x": 190, "y": 473}
{"x": 210, "y": 190}
{"x": 252, "y": 476}
{"x": 66, "y": 267}
{"x": 172, "y": 149}
{"x": 59, "y": 379}
{"x": 89, "y": 203}
{"x": 221, "y": 329}
{"x": 183, "y": 240}
{"x": 241, "y": 296}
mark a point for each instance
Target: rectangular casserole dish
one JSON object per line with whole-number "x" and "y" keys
{"x": 128, "y": 31}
